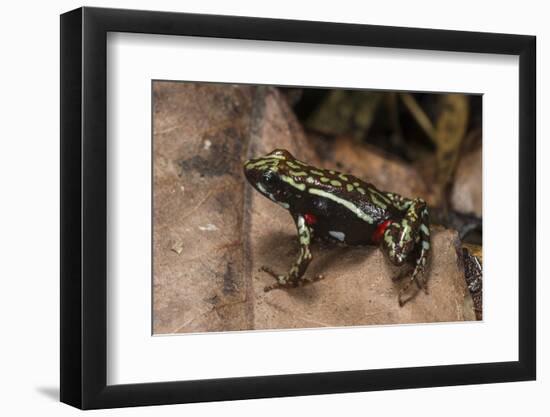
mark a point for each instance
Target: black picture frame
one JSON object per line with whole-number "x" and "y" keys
{"x": 84, "y": 207}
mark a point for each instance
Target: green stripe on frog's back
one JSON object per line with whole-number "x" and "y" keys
{"x": 298, "y": 173}
{"x": 290, "y": 181}
{"x": 293, "y": 165}
{"x": 257, "y": 164}
{"x": 381, "y": 195}
{"x": 348, "y": 204}
{"x": 264, "y": 163}
{"x": 275, "y": 156}
{"x": 376, "y": 201}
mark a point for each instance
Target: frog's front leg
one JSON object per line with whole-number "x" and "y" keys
{"x": 295, "y": 276}
{"x": 407, "y": 238}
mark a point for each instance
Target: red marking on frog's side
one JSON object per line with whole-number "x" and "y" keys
{"x": 310, "y": 219}
{"x": 379, "y": 232}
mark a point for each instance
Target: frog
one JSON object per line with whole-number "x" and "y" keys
{"x": 332, "y": 206}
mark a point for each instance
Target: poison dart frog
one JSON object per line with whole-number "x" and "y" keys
{"x": 329, "y": 205}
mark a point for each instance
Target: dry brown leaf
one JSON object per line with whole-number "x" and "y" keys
{"x": 450, "y": 129}
{"x": 202, "y": 135}
{"x": 467, "y": 192}
{"x": 345, "y": 112}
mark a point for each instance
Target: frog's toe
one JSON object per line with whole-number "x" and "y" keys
{"x": 268, "y": 288}
{"x": 419, "y": 279}
{"x": 401, "y": 297}
{"x": 421, "y": 284}
{"x": 318, "y": 277}
{"x": 270, "y": 271}
{"x": 306, "y": 281}
{"x": 404, "y": 291}
{"x": 282, "y": 282}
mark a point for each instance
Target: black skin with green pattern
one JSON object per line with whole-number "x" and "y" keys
{"x": 329, "y": 205}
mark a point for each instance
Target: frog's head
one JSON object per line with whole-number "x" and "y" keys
{"x": 269, "y": 175}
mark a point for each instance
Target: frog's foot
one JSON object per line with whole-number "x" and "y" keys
{"x": 418, "y": 277}
{"x": 404, "y": 290}
{"x": 306, "y": 281}
{"x": 282, "y": 281}
{"x": 403, "y": 273}
{"x": 277, "y": 285}
{"x": 420, "y": 284}
{"x": 402, "y": 301}
{"x": 287, "y": 281}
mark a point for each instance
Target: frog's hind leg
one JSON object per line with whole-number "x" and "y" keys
{"x": 295, "y": 276}
{"x": 409, "y": 237}
{"x": 423, "y": 245}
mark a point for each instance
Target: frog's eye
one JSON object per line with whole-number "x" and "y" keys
{"x": 269, "y": 177}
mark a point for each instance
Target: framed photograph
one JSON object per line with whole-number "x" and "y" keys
{"x": 259, "y": 208}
